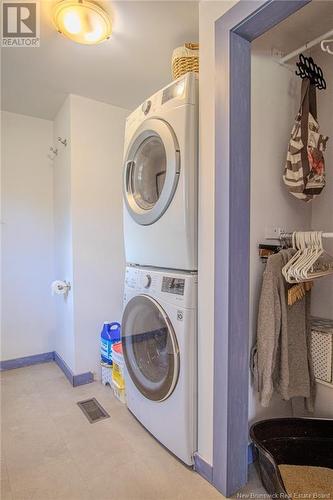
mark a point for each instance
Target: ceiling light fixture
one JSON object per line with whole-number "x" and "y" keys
{"x": 82, "y": 21}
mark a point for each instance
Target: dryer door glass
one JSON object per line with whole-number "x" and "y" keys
{"x": 150, "y": 348}
{"x": 148, "y": 172}
{"x": 151, "y": 172}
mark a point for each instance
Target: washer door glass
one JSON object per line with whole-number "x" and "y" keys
{"x": 150, "y": 348}
{"x": 151, "y": 172}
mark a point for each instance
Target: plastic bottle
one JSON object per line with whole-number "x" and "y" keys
{"x": 109, "y": 335}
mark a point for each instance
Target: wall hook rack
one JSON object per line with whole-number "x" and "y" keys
{"x": 307, "y": 68}
{"x": 62, "y": 141}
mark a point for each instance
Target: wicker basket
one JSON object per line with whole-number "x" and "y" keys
{"x": 322, "y": 349}
{"x": 185, "y": 59}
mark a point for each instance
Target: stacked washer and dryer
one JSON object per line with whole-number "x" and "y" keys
{"x": 159, "y": 324}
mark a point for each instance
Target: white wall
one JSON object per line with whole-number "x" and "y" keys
{"x": 97, "y": 142}
{"x": 64, "y": 339}
{"x": 271, "y": 204}
{"x": 62, "y": 220}
{"x": 267, "y": 212}
{"x": 209, "y": 12}
{"x": 28, "y": 323}
{"x": 274, "y": 105}
{"x": 322, "y": 219}
{"x": 88, "y": 227}
{"x": 322, "y": 207}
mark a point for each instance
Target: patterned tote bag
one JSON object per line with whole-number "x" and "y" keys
{"x": 304, "y": 173}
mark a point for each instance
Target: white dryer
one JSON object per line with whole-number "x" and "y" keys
{"x": 159, "y": 338}
{"x": 160, "y": 178}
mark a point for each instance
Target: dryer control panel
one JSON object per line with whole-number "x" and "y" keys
{"x": 183, "y": 91}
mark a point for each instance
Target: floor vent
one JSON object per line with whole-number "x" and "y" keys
{"x": 93, "y": 410}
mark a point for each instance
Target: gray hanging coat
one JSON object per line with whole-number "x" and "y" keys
{"x": 283, "y": 358}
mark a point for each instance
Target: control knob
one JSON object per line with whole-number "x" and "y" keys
{"x": 147, "y": 281}
{"x": 146, "y": 107}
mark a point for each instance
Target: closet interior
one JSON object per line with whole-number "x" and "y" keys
{"x": 291, "y": 282}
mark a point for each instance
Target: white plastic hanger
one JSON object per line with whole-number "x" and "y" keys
{"x": 325, "y": 46}
{"x": 285, "y": 269}
{"x": 309, "y": 255}
{"x": 310, "y": 251}
{"x": 325, "y": 260}
{"x": 295, "y": 270}
{"x": 317, "y": 245}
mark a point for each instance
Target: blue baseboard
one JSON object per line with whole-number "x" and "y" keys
{"x": 75, "y": 380}
{"x": 206, "y": 470}
{"x": 63, "y": 367}
{"x": 83, "y": 378}
{"x": 203, "y": 468}
{"x": 11, "y": 364}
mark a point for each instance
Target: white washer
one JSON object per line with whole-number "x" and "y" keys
{"x": 160, "y": 178}
{"x": 159, "y": 345}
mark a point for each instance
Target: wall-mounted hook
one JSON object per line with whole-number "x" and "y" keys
{"x": 62, "y": 141}
{"x": 53, "y": 153}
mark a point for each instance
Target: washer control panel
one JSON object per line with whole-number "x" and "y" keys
{"x": 139, "y": 279}
{"x": 146, "y": 281}
{"x": 173, "y": 285}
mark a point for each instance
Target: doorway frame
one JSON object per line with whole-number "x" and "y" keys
{"x": 234, "y": 32}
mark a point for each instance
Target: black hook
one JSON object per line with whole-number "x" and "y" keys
{"x": 307, "y": 68}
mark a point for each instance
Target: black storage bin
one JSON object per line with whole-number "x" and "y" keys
{"x": 292, "y": 441}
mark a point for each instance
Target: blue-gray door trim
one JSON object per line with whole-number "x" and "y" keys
{"x": 233, "y": 35}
